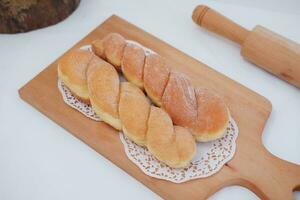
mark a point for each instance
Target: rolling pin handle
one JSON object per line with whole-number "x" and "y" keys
{"x": 219, "y": 24}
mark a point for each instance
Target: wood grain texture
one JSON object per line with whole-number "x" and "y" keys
{"x": 18, "y": 16}
{"x": 268, "y": 50}
{"x": 252, "y": 166}
{"x": 273, "y": 53}
{"x": 217, "y": 23}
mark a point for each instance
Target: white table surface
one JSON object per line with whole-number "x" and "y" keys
{"x": 41, "y": 160}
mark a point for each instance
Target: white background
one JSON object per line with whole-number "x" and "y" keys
{"x": 40, "y": 160}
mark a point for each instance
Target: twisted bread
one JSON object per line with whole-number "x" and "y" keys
{"x": 125, "y": 107}
{"x": 201, "y": 111}
{"x": 104, "y": 91}
{"x": 74, "y": 65}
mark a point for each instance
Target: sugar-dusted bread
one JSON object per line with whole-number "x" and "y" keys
{"x": 125, "y": 107}
{"x": 133, "y": 64}
{"x": 173, "y": 145}
{"x": 200, "y": 110}
{"x": 72, "y": 71}
{"x": 212, "y": 116}
{"x": 179, "y": 99}
{"x": 111, "y": 48}
{"x": 134, "y": 111}
{"x": 104, "y": 89}
{"x": 156, "y": 76}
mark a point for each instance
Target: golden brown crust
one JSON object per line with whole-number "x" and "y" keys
{"x": 179, "y": 100}
{"x": 133, "y": 64}
{"x": 91, "y": 79}
{"x": 103, "y": 87}
{"x": 212, "y": 116}
{"x": 94, "y": 63}
{"x": 134, "y": 110}
{"x": 173, "y": 91}
{"x": 72, "y": 71}
{"x": 98, "y": 48}
{"x": 185, "y": 144}
{"x": 173, "y": 146}
{"x": 156, "y": 75}
{"x": 161, "y": 138}
{"x": 110, "y": 48}
{"x": 125, "y": 107}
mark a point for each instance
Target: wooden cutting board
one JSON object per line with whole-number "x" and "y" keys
{"x": 252, "y": 166}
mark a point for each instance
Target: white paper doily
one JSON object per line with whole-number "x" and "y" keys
{"x": 75, "y": 103}
{"x": 209, "y": 159}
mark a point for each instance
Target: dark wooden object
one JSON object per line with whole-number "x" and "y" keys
{"x": 24, "y": 15}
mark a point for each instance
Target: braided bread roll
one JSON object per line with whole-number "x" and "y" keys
{"x": 202, "y": 111}
{"x": 74, "y": 65}
{"x": 125, "y": 107}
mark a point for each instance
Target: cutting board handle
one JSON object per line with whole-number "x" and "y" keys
{"x": 278, "y": 179}
{"x": 219, "y": 24}
{"x": 266, "y": 175}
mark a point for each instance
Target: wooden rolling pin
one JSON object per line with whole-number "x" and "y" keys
{"x": 272, "y": 52}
